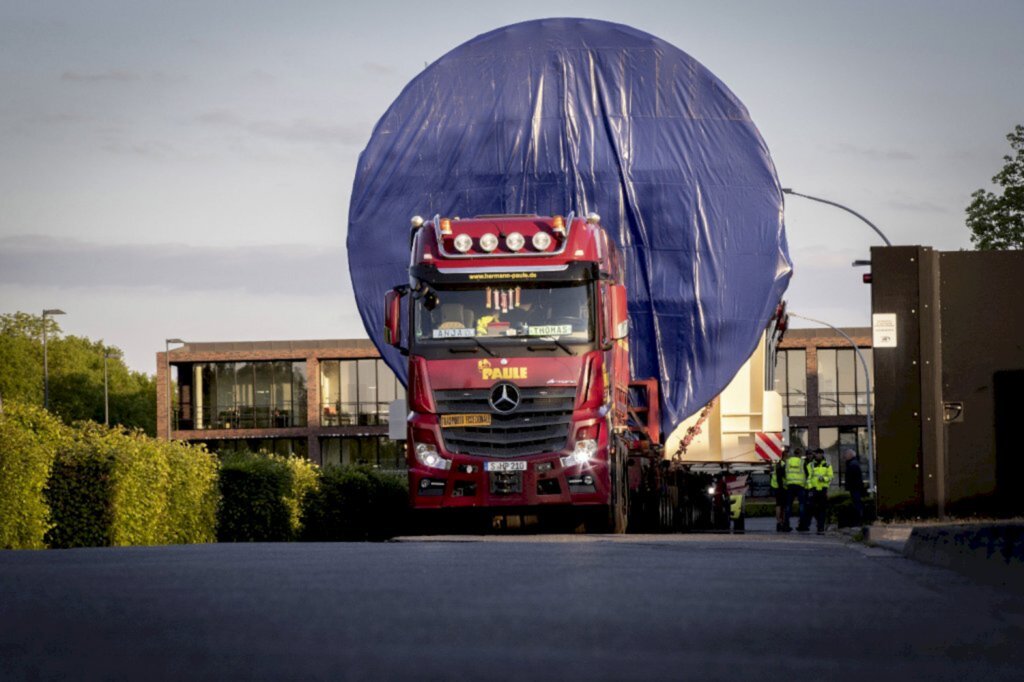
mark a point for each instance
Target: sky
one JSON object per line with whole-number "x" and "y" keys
{"x": 183, "y": 170}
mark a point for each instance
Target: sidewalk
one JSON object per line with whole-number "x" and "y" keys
{"x": 991, "y": 552}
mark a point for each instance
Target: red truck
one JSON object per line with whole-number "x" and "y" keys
{"x": 519, "y": 389}
{"x": 515, "y": 326}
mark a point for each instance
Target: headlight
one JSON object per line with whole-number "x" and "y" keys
{"x": 541, "y": 241}
{"x": 711, "y": 491}
{"x": 426, "y": 454}
{"x": 463, "y": 243}
{"x": 582, "y": 453}
{"x": 515, "y": 241}
{"x": 489, "y": 242}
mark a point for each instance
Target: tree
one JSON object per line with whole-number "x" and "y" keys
{"x": 76, "y": 375}
{"x": 997, "y": 221}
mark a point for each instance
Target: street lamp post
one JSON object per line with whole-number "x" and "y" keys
{"x": 874, "y": 227}
{"x": 867, "y": 391}
{"x": 107, "y": 354}
{"x": 47, "y": 312}
{"x": 167, "y": 366}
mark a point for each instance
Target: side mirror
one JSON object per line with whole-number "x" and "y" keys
{"x": 620, "y": 312}
{"x": 393, "y": 317}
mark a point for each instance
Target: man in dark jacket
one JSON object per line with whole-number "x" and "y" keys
{"x": 855, "y": 483}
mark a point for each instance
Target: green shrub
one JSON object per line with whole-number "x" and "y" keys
{"x": 356, "y": 503}
{"x": 261, "y": 496}
{"x": 29, "y": 439}
{"x": 753, "y": 509}
{"x": 842, "y": 513}
{"x": 112, "y": 487}
{"x": 305, "y": 479}
{"x": 193, "y": 493}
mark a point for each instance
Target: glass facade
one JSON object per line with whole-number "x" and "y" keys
{"x": 248, "y": 395}
{"x": 791, "y": 381}
{"x": 376, "y": 451}
{"x": 287, "y": 447}
{"x": 357, "y": 392}
{"x": 798, "y": 436}
{"x": 841, "y": 381}
{"x": 833, "y": 440}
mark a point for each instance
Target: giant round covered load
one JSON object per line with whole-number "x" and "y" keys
{"x": 562, "y": 115}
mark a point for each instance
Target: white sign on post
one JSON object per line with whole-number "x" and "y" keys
{"x": 883, "y": 330}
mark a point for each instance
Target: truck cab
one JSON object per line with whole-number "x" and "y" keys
{"x": 516, "y": 329}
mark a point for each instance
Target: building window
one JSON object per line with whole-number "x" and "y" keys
{"x": 357, "y": 392}
{"x": 798, "y": 436}
{"x": 286, "y": 447}
{"x": 249, "y": 395}
{"x": 379, "y": 452}
{"x": 833, "y": 440}
{"x": 791, "y": 381}
{"x": 841, "y": 381}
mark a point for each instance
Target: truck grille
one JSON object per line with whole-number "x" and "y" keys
{"x": 540, "y": 423}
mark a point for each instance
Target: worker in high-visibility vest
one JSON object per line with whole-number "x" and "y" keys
{"x": 819, "y": 477}
{"x": 778, "y": 475}
{"x": 796, "y": 482}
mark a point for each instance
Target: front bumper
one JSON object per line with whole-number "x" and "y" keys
{"x": 544, "y": 482}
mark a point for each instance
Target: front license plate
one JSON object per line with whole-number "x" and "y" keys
{"x": 504, "y": 466}
{"x": 456, "y": 420}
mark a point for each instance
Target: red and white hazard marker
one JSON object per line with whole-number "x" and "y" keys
{"x": 768, "y": 446}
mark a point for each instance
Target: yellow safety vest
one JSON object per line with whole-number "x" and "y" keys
{"x": 795, "y": 474}
{"x": 819, "y": 475}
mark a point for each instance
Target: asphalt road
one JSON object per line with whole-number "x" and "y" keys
{"x": 709, "y": 607}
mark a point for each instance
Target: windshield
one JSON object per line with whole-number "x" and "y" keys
{"x": 561, "y": 312}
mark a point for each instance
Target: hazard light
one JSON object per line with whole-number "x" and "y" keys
{"x": 489, "y": 242}
{"x": 541, "y": 241}
{"x": 463, "y": 243}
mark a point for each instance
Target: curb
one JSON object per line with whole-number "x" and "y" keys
{"x": 993, "y": 553}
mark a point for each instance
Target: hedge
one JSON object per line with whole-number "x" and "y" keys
{"x": 262, "y": 495}
{"x": 840, "y": 509}
{"x": 356, "y": 503}
{"x": 842, "y": 513}
{"x": 113, "y": 487}
{"x": 193, "y": 493}
{"x": 29, "y": 439}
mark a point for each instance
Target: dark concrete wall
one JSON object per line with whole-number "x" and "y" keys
{"x": 898, "y": 447}
{"x": 960, "y": 325}
{"x": 982, "y": 294}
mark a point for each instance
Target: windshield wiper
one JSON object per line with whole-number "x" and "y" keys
{"x": 475, "y": 340}
{"x": 555, "y": 341}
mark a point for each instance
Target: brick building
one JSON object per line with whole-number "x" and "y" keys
{"x": 821, "y": 382}
{"x": 328, "y": 400}
{"x": 325, "y": 400}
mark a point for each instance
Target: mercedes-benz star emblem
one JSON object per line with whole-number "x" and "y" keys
{"x": 504, "y": 398}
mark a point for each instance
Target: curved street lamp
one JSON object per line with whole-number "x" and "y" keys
{"x": 47, "y": 312}
{"x": 787, "y": 190}
{"x": 107, "y": 355}
{"x": 167, "y": 364}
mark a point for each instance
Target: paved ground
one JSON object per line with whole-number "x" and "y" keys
{"x": 710, "y": 607}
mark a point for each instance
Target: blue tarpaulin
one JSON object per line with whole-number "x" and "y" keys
{"x": 562, "y": 115}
